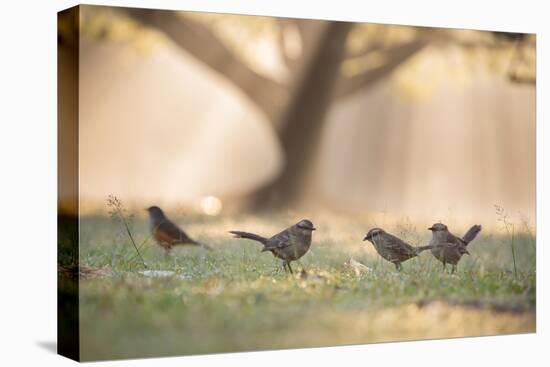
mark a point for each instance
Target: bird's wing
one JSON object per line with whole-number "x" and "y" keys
{"x": 451, "y": 238}
{"x": 172, "y": 230}
{"x": 455, "y": 241}
{"x": 280, "y": 240}
{"x": 397, "y": 245}
{"x": 452, "y": 247}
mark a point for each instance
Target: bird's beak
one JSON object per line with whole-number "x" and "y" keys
{"x": 366, "y": 238}
{"x": 313, "y": 228}
{"x": 431, "y": 229}
{"x": 466, "y": 252}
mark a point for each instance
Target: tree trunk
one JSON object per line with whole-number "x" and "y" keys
{"x": 301, "y": 124}
{"x": 297, "y": 110}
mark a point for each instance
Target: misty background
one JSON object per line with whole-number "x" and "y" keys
{"x": 220, "y": 113}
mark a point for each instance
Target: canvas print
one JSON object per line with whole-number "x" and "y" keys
{"x": 234, "y": 183}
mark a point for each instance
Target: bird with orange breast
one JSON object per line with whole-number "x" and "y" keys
{"x": 166, "y": 233}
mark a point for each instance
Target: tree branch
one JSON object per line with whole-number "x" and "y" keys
{"x": 288, "y": 27}
{"x": 395, "y": 57}
{"x": 197, "y": 40}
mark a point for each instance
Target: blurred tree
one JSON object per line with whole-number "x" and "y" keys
{"x": 296, "y": 109}
{"x": 324, "y": 61}
{"x": 522, "y": 63}
{"x": 301, "y": 121}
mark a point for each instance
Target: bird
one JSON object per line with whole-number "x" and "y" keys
{"x": 392, "y": 248}
{"x": 448, "y": 248}
{"x": 166, "y": 233}
{"x": 288, "y": 245}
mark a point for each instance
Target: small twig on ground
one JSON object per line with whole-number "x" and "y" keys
{"x": 510, "y": 230}
{"x": 117, "y": 210}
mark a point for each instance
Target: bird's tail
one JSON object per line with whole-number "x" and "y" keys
{"x": 472, "y": 233}
{"x": 196, "y": 243}
{"x": 419, "y": 249}
{"x": 250, "y": 236}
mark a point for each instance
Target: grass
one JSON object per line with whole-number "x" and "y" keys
{"x": 235, "y": 298}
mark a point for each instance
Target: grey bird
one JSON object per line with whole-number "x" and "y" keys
{"x": 448, "y": 248}
{"x": 166, "y": 233}
{"x": 288, "y": 245}
{"x": 392, "y": 248}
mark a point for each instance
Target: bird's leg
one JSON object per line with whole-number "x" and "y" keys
{"x": 284, "y": 267}
{"x": 453, "y": 269}
{"x": 289, "y": 268}
{"x": 398, "y": 266}
{"x": 444, "y": 266}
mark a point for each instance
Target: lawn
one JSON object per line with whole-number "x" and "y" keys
{"x": 235, "y": 298}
